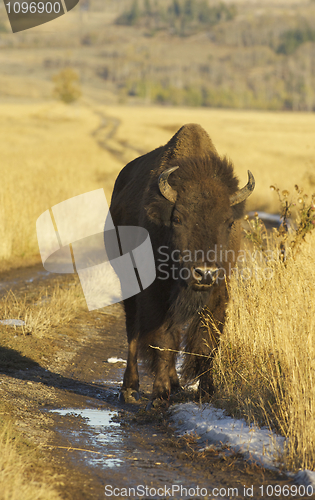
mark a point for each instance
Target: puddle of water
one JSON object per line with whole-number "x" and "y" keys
{"x": 102, "y": 435}
{"x": 110, "y": 462}
{"x": 126, "y": 460}
{"x": 95, "y": 418}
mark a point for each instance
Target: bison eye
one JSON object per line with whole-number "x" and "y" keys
{"x": 231, "y": 224}
{"x": 176, "y": 220}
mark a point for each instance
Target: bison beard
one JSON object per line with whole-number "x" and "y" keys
{"x": 187, "y": 197}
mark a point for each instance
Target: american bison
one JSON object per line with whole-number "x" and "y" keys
{"x": 188, "y": 199}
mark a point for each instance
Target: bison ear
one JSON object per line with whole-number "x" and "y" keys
{"x": 159, "y": 214}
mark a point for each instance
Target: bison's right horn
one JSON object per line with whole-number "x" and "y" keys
{"x": 243, "y": 193}
{"x": 166, "y": 190}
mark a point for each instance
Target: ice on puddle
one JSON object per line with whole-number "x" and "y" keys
{"x": 116, "y": 360}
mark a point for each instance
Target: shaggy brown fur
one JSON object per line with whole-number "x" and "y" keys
{"x": 200, "y": 220}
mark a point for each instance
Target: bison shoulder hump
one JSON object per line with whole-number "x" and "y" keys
{"x": 190, "y": 140}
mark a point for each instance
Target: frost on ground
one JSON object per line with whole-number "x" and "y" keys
{"x": 216, "y": 429}
{"x": 12, "y": 322}
{"x": 114, "y": 359}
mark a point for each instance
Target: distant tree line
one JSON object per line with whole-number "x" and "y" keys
{"x": 181, "y": 17}
{"x": 258, "y": 58}
{"x": 267, "y": 61}
{"x": 185, "y": 17}
{"x": 282, "y": 34}
{"x": 292, "y": 39}
{"x": 256, "y": 78}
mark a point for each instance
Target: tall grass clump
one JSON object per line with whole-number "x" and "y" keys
{"x": 15, "y": 480}
{"x": 265, "y": 367}
{"x": 50, "y": 308}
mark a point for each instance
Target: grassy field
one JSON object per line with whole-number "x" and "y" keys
{"x": 51, "y": 152}
{"x": 48, "y": 155}
{"x": 278, "y": 148}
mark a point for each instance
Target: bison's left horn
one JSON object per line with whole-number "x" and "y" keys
{"x": 166, "y": 190}
{"x": 243, "y": 193}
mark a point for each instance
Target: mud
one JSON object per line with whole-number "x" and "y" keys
{"x": 62, "y": 394}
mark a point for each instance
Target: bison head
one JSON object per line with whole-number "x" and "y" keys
{"x": 199, "y": 205}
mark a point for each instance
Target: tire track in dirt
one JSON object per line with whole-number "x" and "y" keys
{"x": 105, "y": 136}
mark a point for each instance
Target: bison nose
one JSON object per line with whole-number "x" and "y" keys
{"x": 205, "y": 275}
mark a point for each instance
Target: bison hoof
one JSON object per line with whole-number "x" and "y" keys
{"x": 129, "y": 396}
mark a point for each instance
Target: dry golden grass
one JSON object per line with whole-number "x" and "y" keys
{"x": 15, "y": 480}
{"x": 265, "y": 369}
{"x": 278, "y": 148}
{"x": 49, "y": 154}
{"x": 51, "y": 307}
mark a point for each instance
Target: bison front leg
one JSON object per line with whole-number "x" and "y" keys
{"x": 164, "y": 354}
{"x": 129, "y": 392}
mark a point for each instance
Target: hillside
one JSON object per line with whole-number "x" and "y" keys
{"x": 175, "y": 52}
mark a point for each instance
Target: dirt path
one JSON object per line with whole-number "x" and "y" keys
{"x": 113, "y": 445}
{"x": 105, "y": 136}
{"x": 62, "y": 393}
